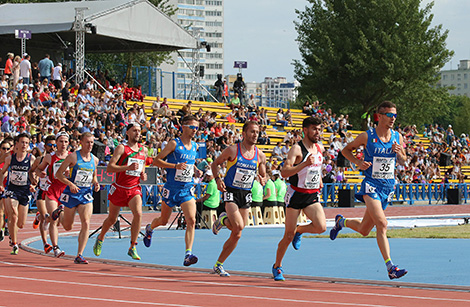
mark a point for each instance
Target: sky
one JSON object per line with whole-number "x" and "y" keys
{"x": 262, "y": 33}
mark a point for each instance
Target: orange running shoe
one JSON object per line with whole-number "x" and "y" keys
{"x": 36, "y": 221}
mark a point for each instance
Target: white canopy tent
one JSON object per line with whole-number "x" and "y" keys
{"x": 121, "y": 26}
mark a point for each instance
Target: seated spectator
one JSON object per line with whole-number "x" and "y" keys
{"x": 263, "y": 137}
{"x": 280, "y": 118}
{"x": 277, "y": 151}
{"x": 234, "y": 102}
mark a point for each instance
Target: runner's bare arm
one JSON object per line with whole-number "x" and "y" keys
{"x": 293, "y": 156}
{"x": 229, "y": 153}
{"x": 95, "y": 182}
{"x": 262, "y": 167}
{"x": 360, "y": 140}
{"x": 112, "y": 165}
{"x": 70, "y": 161}
{"x": 32, "y": 175}
{"x": 2, "y": 172}
{"x": 42, "y": 166}
{"x": 169, "y": 148}
{"x": 400, "y": 151}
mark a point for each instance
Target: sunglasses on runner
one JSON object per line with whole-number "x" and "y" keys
{"x": 192, "y": 127}
{"x": 52, "y": 145}
{"x": 6, "y": 148}
{"x": 391, "y": 115}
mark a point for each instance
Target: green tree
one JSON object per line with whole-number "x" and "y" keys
{"x": 357, "y": 53}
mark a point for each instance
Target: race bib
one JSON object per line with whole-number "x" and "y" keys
{"x": 312, "y": 179}
{"x": 18, "y": 178}
{"x": 83, "y": 178}
{"x": 64, "y": 198}
{"x": 55, "y": 168}
{"x": 112, "y": 189}
{"x": 88, "y": 197}
{"x": 244, "y": 178}
{"x": 383, "y": 168}
{"x": 165, "y": 193}
{"x": 137, "y": 172}
{"x": 185, "y": 175}
{"x": 228, "y": 196}
{"x": 43, "y": 184}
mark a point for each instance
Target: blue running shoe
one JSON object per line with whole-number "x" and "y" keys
{"x": 334, "y": 231}
{"x": 148, "y": 235}
{"x": 296, "y": 241}
{"x": 219, "y": 269}
{"x": 80, "y": 260}
{"x": 190, "y": 259}
{"x": 218, "y": 223}
{"x": 277, "y": 274}
{"x": 396, "y": 272}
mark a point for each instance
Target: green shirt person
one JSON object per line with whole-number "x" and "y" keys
{"x": 270, "y": 194}
{"x": 281, "y": 189}
{"x": 212, "y": 197}
{"x": 257, "y": 193}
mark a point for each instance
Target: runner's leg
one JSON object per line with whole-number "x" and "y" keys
{"x": 189, "y": 211}
{"x": 317, "y": 217}
{"x": 12, "y": 211}
{"x": 51, "y": 205}
{"x": 113, "y": 213}
{"x": 164, "y": 216}
{"x": 136, "y": 207}
{"x": 289, "y": 231}
{"x": 84, "y": 211}
{"x": 236, "y": 219}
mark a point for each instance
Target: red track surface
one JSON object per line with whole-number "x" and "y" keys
{"x": 33, "y": 280}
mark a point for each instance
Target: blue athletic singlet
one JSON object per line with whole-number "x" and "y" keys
{"x": 383, "y": 159}
{"x": 176, "y": 177}
{"x": 82, "y": 176}
{"x": 241, "y": 171}
{"x": 18, "y": 175}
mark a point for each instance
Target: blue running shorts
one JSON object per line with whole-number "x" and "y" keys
{"x": 381, "y": 193}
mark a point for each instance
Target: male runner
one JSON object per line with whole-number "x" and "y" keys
{"x": 40, "y": 220}
{"x": 244, "y": 159}
{"x": 181, "y": 155}
{"x": 52, "y": 162}
{"x": 382, "y": 150}
{"x": 19, "y": 186}
{"x": 5, "y": 147}
{"x": 78, "y": 195}
{"x": 303, "y": 167}
{"x": 128, "y": 163}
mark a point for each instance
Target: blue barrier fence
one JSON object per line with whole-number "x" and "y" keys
{"x": 409, "y": 193}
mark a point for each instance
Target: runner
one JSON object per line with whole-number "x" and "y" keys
{"x": 52, "y": 162}
{"x": 78, "y": 195}
{"x": 21, "y": 183}
{"x": 303, "y": 167}
{"x": 244, "y": 159}
{"x": 5, "y": 147}
{"x": 128, "y": 163}
{"x": 40, "y": 219}
{"x": 382, "y": 150}
{"x": 178, "y": 190}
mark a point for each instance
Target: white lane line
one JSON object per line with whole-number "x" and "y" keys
{"x": 55, "y": 295}
{"x": 191, "y": 293}
{"x": 242, "y": 285}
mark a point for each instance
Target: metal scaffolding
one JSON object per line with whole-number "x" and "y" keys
{"x": 80, "y": 30}
{"x": 195, "y": 89}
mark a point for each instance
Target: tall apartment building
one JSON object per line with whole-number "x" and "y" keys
{"x": 207, "y": 16}
{"x": 459, "y": 79}
{"x": 279, "y": 89}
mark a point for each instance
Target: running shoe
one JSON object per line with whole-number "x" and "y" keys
{"x": 46, "y": 222}
{"x": 56, "y": 213}
{"x": 47, "y": 248}
{"x": 58, "y": 253}
{"x": 277, "y": 273}
{"x": 80, "y": 260}
{"x": 336, "y": 229}
{"x": 2, "y": 234}
{"x": 148, "y": 235}
{"x": 15, "y": 250}
{"x": 36, "y": 221}
{"x": 296, "y": 241}
{"x": 396, "y": 272}
{"x": 218, "y": 223}
{"x": 97, "y": 247}
{"x": 190, "y": 259}
{"x": 133, "y": 253}
{"x": 219, "y": 269}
